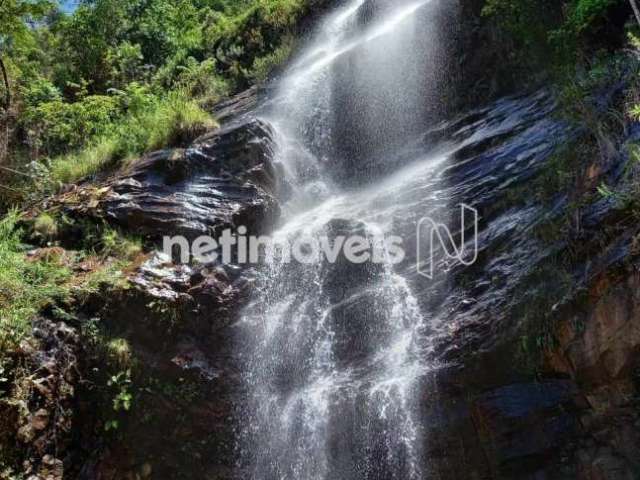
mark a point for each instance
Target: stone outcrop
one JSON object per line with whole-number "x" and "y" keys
{"x": 541, "y": 343}
{"x": 538, "y": 349}
{"x": 539, "y": 375}
{"x": 38, "y": 423}
{"x": 176, "y": 324}
{"x": 161, "y": 340}
{"x": 177, "y": 319}
{"x": 225, "y": 178}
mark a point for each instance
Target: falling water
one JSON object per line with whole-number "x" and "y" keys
{"x": 333, "y": 352}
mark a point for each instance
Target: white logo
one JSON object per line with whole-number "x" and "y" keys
{"x": 429, "y": 231}
{"x": 240, "y": 248}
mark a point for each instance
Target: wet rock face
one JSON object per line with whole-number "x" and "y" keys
{"x": 507, "y": 432}
{"x": 42, "y": 419}
{"x": 495, "y": 411}
{"x": 542, "y": 362}
{"x": 202, "y": 299}
{"x": 226, "y": 178}
{"x": 358, "y": 307}
{"x": 599, "y": 348}
{"x": 177, "y": 322}
{"x": 520, "y": 423}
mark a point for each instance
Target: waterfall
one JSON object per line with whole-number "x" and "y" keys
{"x": 333, "y": 352}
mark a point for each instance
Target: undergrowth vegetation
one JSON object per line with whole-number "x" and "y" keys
{"x": 32, "y": 280}
{"x": 589, "y": 52}
{"x": 150, "y": 123}
{"x": 26, "y": 285}
{"x": 114, "y": 78}
{"x": 553, "y": 41}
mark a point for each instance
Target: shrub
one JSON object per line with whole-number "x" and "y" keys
{"x": 551, "y": 31}
{"x": 258, "y": 31}
{"x": 115, "y": 244}
{"x": 57, "y": 126}
{"x": 126, "y": 63}
{"x": 152, "y": 124}
{"x": 26, "y": 286}
{"x": 200, "y": 80}
{"x": 39, "y": 91}
{"x": 119, "y": 352}
{"x": 584, "y": 13}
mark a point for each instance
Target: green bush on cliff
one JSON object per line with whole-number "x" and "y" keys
{"x": 57, "y": 126}
{"x": 553, "y": 32}
{"x": 583, "y": 14}
{"x": 256, "y": 36}
{"x": 31, "y": 281}
{"x": 152, "y": 123}
{"x": 263, "y": 66}
{"x": 26, "y": 285}
{"x": 576, "y": 15}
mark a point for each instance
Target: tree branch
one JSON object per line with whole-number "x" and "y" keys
{"x": 636, "y": 10}
{"x": 7, "y": 85}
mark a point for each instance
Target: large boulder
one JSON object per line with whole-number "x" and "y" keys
{"x": 176, "y": 322}
{"x": 226, "y": 178}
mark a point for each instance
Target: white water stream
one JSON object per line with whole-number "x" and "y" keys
{"x": 334, "y": 352}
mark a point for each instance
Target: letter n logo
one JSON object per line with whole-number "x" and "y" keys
{"x": 432, "y": 234}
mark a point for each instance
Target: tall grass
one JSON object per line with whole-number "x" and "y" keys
{"x": 26, "y": 286}
{"x": 165, "y": 122}
{"x": 30, "y": 284}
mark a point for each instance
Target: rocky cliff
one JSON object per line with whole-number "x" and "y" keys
{"x": 537, "y": 344}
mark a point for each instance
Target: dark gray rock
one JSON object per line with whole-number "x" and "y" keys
{"x": 225, "y": 178}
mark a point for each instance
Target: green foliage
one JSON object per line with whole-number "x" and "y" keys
{"x": 263, "y": 66}
{"x": 577, "y": 15}
{"x": 121, "y": 383}
{"x": 26, "y": 285}
{"x": 119, "y": 352}
{"x": 583, "y": 14}
{"x": 31, "y": 283}
{"x": 117, "y": 78}
{"x": 57, "y": 126}
{"x": 45, "y": 226}
{"x": 169, "y": 26}
{"x": 550, "y": 32}
{"x": 39, "y": 91}
{"x": 152, "y": 123}
{"x": 125, "y": 60}
{"x": 605, "y": 191}
{"x": 261, "y": 30}
{"x": 14, "y": 15}
{"x": 112, "y": 378}
{"x": 199, "y": 80}
{"x": 114, "y": 243}
{"x": 526, "y": 20}
{"x": 120, "y": 386}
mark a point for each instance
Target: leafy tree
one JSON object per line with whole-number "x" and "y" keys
{"x": 71, "y": 77}
{"x": 14, "y": 18}
{"x": 86, "y": 39}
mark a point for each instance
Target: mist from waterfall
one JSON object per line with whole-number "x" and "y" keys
{"x": 333, "y": 353}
